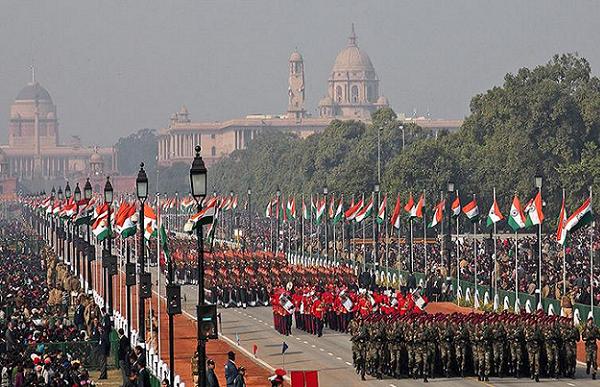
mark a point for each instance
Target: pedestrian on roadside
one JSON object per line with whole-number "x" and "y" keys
{"x": 211, "y": 377}
{"x": 231, "y": 370}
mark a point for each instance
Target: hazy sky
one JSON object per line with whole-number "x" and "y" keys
{"x": 113, "y": 67}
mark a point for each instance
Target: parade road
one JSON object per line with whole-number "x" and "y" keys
{"x": 331, "y": 354}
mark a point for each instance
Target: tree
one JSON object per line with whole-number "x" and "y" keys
{"x": 135, "y": 148}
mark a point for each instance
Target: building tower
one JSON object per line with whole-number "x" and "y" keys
{"x": 296, "y": 87}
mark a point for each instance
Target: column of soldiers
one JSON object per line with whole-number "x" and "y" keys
{"x": 423, "y": 346}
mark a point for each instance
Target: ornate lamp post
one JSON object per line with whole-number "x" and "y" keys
{"x": 111, "y": 264}
{"x": 141, "y": 188}
{"x": 68, "y": 231}
{"x": 448, "y": 246}
{"x": 53, "y": 226}
{"x": 61, "y": 230}
{"x": 326, "y": 215}
{"x": 278, "y": 193}
{"x": 198, "y": 186}
{"x": 77, "y": 198}
{"x": 87, "y": 195}
{"x": 376, "y": 227}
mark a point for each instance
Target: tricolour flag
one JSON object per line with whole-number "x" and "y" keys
{"x": 305, "y": 213}
{"x": 438, "y": 214}
{"x": 582, "y": 216}
{"x": 365, "y": 211}
{"x": 203, "y": 217}
{"x": 494, "y": 215}
{"x": 417, "y": 210}
{"x": 354, "y": 209}
{"x": 516, "y": 220}
{"x": 409, "y": 204}
{"x": 291, "y": 208}
{"x": 472, "y": 210}
{"x": 456, "y": 207}
{"x": 339, "y": 212}
{"x": 561, "y": 232}
{"x": 396, "y": 214}
{"x": 533, "y": 211}
{"x": 149, "y": 222}
{"x": 126, "y": 220}
{"x": 381, "y": 212}
{"x": 269, "y": 209}
{"x": 320, "y": 206}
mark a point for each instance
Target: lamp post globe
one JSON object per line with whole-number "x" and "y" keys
{"x": 77, "y": 195}
{"x": 141, "y": 184}
{"x": 68, "y": 191}
{"x": 53, "y": 193}
{"x": 198, "y": 177}
{"x": 87, "y": 189}
{"x": 60, "y": 193}
{"x": 108, "y": 191}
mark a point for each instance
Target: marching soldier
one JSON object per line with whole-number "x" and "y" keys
{"x": 498, "y": 340}
{"x": 516, "y": 338}
{"x": 461, "y": 342}
{"x": 533, "y": 340}
{"x": 446, "y": 335}
{"x": 589, "y": 335}
{"x": 552, "y": 340}
{"x": 570, "y": 338}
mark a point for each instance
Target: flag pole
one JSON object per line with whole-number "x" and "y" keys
{"x": 475, "y": 258}
{"x": 332, "y": 205}
{"x": 516, "y": 268}
{"x": 495, "y": 254}
{"x": 441, "y": 233}
{"x": 564, "y": 250}
{"x": 457, "y": 254}
{"x": 387, "y": 242}
{"x": 302, "y": 228}
{"x": 310, "y": 234}
{"x": 364, "y": 248}
{"x": 424, "y": 237}
{"x": 158, "y": 317}
{"x": 591, "y": 262}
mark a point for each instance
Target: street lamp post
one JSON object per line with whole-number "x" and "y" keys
{"x": 87, "y": 194}
{"x": 52, "y": 225}
{"x": 231, "y": 215}
{"x": 67, "y": 224}
{"x": 141, "y": 187}
{"x": 402, "y": 129}
{"x": 249, "y": 236}
{"x": 448, "y": 232}
{"x": 108, "y": 199}
{"x": 77, "y": 197}
{"x": 60, "y": 230}
{"x": 198, "y": 185}
{"x": 538, "y": 185}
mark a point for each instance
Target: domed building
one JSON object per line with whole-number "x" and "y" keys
{"x": 353, "y": 85}
{"x": 35, "y": 151}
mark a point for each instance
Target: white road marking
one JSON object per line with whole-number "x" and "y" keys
{"x": 339, "y": 358}
{"x": 305, "y": 342}
{"x": 392, "y": 385}
{"x": 313, "y": 346}
{"x": 330, "y": 354}
{"x": 297, "y": 338}
{"x": 348, "y": 363}
{"x": 321, "y": 349}
{"x": 570, "y": 384}
{"x": 260, "y": 321}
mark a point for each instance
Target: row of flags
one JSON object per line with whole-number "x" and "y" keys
{"x": 519, "y": 217}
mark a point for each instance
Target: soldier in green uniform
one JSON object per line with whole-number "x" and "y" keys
{"x": 446, "y": 337}
{"x": 461, "y": 342}
{"x": 484, "y": 350}
{"x": 419, "y": 346}
{"x": 570, "y": 338}
{"x": 552, "y": 340}
{"x": 589, "y": 335}
{"x": 498, "y": 341}
{"x": 360, "y": 339}
{"x": 474, "y": 346}
{"x": 516, "y": 338}
{"x": 410, "y": 337}
{"x": 430, "y": 341}
{"x": 395, "y": 347}
{"x": 353, "y": 330}
{"x": 533, "y": 341}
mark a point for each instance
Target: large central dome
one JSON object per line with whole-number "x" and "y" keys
{"x": 33, "y": 91}
{"x": 351, "y": 58}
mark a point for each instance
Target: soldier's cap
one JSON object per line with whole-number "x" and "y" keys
{"x": 590, "y": 318}
{"x": 210, "y": 361}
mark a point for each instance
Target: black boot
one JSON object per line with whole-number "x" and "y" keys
{"x": 587, "y": 369}
{"x": 537, "y": 379}
{"x": 594, "y": 376}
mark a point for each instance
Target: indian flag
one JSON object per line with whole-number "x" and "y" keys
{"x": 561, "y": 232}
{"x": 396, "y": 214}
{"x": 205, "y": 216}
{"x": 365, "y": 211}
{"x": 305, "y": 213}
{"x": 187, "y": 204}
{"x": 126, "y": 220}
{"x": 381, "y": 212}
{"x": 291, "y": 208}
{"x": 149, "y": 222}
{"x": 533, "y": 211}
{"x": 100, "y": 228}
{"x": 456, "y": 207}
{"x": 354, "y": 209}
{"x": 320, "y": 210}
{"x": 269, "y": 209}
{"x": 417, "y": 210}
{"x": 472, "y": 210}
{"x": 409, "y": 204}
{"x": 582, "y": 216}
{"x": 516, "y": 220}
{"x": 83, "y": 212}
{"x": 339, "y": 212}
{"x": 494, "y": 215}
{"x": 438, "y": 213}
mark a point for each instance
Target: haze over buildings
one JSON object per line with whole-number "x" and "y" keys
{"x": 116, "y": 67}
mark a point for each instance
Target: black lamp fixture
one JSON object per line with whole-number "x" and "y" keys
{"x": 87, "y": 189}
{"x": 60, "y": 193}
{"x": 450, "y": 186}
{"x": 141, "y": 184}
{"x": 198, "y": 176}
{"x": 77, "y": 193}
{"x": 108, "y": 191}
{"x": 68, "y": 191}
{"x": 52, "y": 193}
